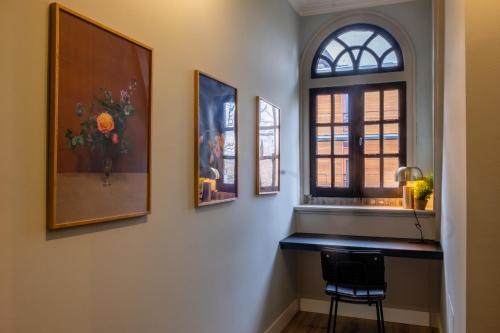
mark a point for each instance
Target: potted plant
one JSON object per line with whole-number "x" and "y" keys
{"x": 422, "y": 191}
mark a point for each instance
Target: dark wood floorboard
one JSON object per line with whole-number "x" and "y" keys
{"x": 307, "y": 322}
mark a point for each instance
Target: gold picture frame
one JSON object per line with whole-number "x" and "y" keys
{"x": 99, "y": 147}
{"x": 268, "y": 149}
{"x": 215, "y": 140}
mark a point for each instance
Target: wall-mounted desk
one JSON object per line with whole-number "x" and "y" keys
{"x": 391, "y": 247}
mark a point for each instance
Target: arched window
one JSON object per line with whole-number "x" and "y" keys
{"x": 357, "y": 49}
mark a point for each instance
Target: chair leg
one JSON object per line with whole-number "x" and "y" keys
{"x": 330, "y": 316}
{"x": 382, "y": 317}
{"x": 378, "y": 318}
{"x": 335, "y": 315}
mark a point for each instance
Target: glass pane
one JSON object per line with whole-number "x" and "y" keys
{"x": 341, "y": 140}
{"x": 276, "y": 172}
{"x": 229, "y": 109}
{"x": 341, "y": 108}
{"x": 267, "y": 115}
{"x": 324, "y": 172}
{"x": 372, "y": 172}
{"x": 372, "y": 106}
{"x": 267, "y": 144}
{"x": 324, "y": 109}
{"x": 345, "y": 63}
{"x": 355, "y": 53}
{"x": 391, "y": 138}
{"x": 372, "y": 139}
{"x": 390, "y": 60}
{"x": 355, "y": 37}
{"x": 332, "y": 50}
{"x": 266, "y": 172}
{"x": 391, "y": 104}
{"x": 323, "y": 67}
{"x": 324, "y": 140}
{"x": 341, "y": 172}
{"x": 229, "y": 170}
{"x": 229, "y": 143}
{"x": 277, "y": 142}
{"x": 367, "y": 61}
{"x": 379, "y": 45}
{"x": 391, "y": 165}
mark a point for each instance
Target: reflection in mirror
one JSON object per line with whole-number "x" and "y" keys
{"x": 268, "y": 147}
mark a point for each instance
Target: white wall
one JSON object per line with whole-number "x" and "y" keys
{"x": 216, "y": 269}
{"x": 416, "y": 19}
{"x": 454, "y": 195}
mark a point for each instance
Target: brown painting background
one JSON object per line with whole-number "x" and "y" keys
{"x": 90, "y": 59}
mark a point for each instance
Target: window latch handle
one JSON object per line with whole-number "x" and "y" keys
{"x": 360, "y": 141}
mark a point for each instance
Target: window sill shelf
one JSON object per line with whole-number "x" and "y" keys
{"x": 362, "y": 210}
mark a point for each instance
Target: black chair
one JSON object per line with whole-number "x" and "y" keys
{"x": 354, "y": 277}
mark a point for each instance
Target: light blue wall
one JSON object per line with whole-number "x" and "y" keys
{"x": 416, "y": 19}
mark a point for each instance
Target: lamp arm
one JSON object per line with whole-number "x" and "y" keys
{"x": 419, "y": 226}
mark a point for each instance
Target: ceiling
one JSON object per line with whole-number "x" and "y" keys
{"x": 315, "y": 7}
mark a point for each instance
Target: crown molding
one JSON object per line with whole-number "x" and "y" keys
{"x": 317, "y": 7}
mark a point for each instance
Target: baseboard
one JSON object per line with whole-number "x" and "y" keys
{"x": 403, "y": 316}
{"x": 284, "y": 318}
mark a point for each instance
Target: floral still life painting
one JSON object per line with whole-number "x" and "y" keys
{"x": 216, "y": 141}
{"x": 100, "y": 120}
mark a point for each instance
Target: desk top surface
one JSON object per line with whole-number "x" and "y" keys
{"x": 391, "y": 247}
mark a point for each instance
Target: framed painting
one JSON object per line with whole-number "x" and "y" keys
{"x": 100, "y": 123}
{"x": 216, "y": 141}
{"x": 268, "y": 147}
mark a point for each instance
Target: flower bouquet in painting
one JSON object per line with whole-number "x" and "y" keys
{"x": 103, "y": 130}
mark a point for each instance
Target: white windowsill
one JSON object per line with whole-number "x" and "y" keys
{"x": 362, "y": 210}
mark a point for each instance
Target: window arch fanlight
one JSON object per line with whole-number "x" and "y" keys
{"x": 357, "y": 49}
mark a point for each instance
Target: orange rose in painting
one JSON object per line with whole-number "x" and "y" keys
{"x": 105, "y": 123}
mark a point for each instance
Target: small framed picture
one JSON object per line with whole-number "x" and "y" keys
{"x": 100, "y": 120}
{"x": 216, "y": 141}
{"x": 268, "y": 147}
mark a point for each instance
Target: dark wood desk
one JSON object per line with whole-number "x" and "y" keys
{"x": 391, "y": 247}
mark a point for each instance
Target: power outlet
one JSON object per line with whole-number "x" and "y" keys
{"x": 451, "y": 318}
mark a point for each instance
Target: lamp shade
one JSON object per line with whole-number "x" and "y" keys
{"x": 405, "y": 174}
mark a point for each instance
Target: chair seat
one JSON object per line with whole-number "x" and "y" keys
{"x": 371, "y": 293}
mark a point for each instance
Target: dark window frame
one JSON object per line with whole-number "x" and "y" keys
{"x": 356, "y": 131}
{"x": 349, "y": 49}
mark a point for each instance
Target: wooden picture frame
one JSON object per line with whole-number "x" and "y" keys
{"x": 268, "y": 149}
{"x": 215, "y": 141}
{"x": 100, "y": 123}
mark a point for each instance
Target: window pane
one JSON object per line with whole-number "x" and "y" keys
{"x": 355, "y": 37}
{"x": 367, "y": 61}
{"x": 229, "y": 143}
{"x": 324, "y": 172}
{"x": 391, "y": 104}
{"x": 391, "y": 138}
{"x": 391, "y": 164}
{"x": 341, "y": 172}
{"x": 355, "y": 53}
{"x": 372, "y": 106}
{"x": 344, "y": 63}
{"x": 379, "y": 45}
{"x": 390, "y": 60}
{"x": 324, "y": 140}
{"x": 229, "y": 170}
{"x": 333, "y": 50}
{"x": 267, "y": 144}
{"x": 341, "y": 140}
{"x": 277, "y": 142}
{"x": 266, "y": 172}
{"x": 323, "y": 67}
{"x": 324, "y": 109}
{"x": 372, "y": 172}
{"x": 341, "y": 108}
{"x": 372, "y": 139}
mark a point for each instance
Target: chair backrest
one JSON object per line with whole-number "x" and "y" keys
{"x": 354, "y": 269}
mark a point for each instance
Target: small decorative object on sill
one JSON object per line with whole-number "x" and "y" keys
{"x": 422, "y": 192}
{"x": 406, "y": 175}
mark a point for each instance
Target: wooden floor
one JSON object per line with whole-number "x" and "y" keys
{"x": 307, "y": 322}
